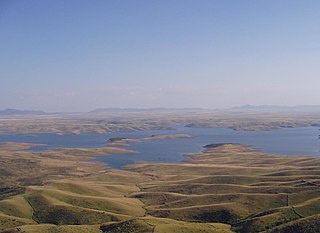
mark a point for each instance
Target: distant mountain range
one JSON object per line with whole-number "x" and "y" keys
{"x": 119, "y": 110}
{"x": 8, "y": 112}
{"x": 21, "y": 112}
{"x": 278, "y": 108}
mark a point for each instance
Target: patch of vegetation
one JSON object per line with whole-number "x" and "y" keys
{"x": 130, "y": 226}
{"x": 46, "y": 211}
{"x": 6, "y": 192}
{"x": 305, "y": 225}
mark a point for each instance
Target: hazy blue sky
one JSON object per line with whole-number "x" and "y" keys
{"x": 76, "y": 55}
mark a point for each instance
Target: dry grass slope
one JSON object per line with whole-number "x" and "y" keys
{"x": 227, "y": 188}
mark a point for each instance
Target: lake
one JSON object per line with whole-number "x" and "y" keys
{"x": 287, "y": 141}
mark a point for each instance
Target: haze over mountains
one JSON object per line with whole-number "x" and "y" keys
{"x": 101, "y": 110}
{"x": 21, "y": 112}
{"x": 11, "y": 111}
{"x": 277, "y": 108}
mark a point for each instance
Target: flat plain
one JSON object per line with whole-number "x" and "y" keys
{"x": 107, "y": 122}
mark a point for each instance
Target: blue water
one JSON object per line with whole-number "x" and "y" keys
{"x": 293, "y": 141}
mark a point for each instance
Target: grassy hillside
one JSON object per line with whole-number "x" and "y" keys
{"x": 233, "y": 184}
{"x": 226, "y": 188}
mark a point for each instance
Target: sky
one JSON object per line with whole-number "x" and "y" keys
{"x": 78, "y": 55}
